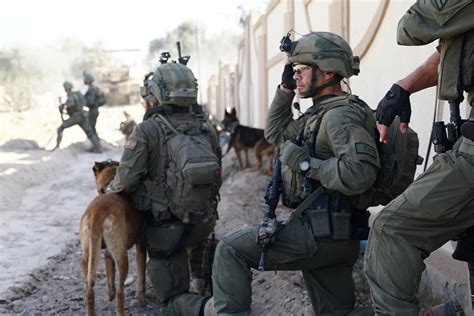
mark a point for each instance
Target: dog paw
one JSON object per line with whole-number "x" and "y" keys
{"x": 141, "y": 297}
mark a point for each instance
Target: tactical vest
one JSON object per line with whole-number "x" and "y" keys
{"x": 189, "y": 161}
{"x": 398, "y": 158}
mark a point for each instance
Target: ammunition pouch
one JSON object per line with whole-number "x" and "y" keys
{"x": 333, "y": 216}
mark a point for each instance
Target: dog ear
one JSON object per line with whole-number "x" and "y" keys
{"x": 233, "y": 112}
{"x": 98, "y": 166}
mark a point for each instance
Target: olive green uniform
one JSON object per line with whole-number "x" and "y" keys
{"x": 91, "y": 96}
{"x": 172, "y": 253}
{"x": 77, "y": 116}
{"x": 326, "y": 263}
{"x": 439, "y": 205}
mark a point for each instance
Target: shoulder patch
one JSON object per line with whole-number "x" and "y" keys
{"x": 131, "y": 144}
{"x": 439, "y": 4}
{"x": 365, "y": 149}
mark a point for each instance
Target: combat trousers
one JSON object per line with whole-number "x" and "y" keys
{"x": 93, "y": 114}
{"x": 437, "y": 207}
{"x": 78, "y": 118}
{"x": 326, "y": 265}
{"x": 170, "y": 276}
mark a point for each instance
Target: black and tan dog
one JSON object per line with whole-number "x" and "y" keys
{"x": 245, "y": 138}
{"x": 111, "y": 222}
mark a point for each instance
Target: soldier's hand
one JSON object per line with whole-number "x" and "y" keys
{"x": 396, "y": 102}
{"x": 266, "y": 230}
{"x": 287, "y": 78}
{"x": 292, "y": 154}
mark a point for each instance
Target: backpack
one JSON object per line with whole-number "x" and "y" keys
{"x": 398, "y": 161}
{"x": 193, "y": 169}
{"x": 101, "y": 99}
{"x": 398, "y": 158}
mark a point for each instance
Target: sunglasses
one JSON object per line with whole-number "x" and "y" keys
{"x": 300, "y": 68}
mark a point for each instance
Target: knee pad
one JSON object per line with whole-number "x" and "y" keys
{"x": 169, "y": 277}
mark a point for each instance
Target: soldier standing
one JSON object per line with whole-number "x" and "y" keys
{"x": 439, "y": 205}
{"x": 334, "y": 151}
{"x": 75, "y": 109}
{"x": 171, "y": 168}
{"x": 94, "y": 98}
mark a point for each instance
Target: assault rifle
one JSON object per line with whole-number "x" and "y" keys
{"x": 444, "y": 136}
{"x": 268, "y": 227}
{"x": 207, "y": 260}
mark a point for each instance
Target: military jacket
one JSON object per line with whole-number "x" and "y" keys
{"x": 344, "y": 154}
{"x": 91, "y": 96}
{"x": 74, "y": 103}
{"x": 452, "y": 23}
{"x": 141, "y": 172}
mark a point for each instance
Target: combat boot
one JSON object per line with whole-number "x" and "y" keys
{"x": 450, "y": 308}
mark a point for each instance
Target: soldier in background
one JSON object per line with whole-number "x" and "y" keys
{"x": 75, "y": 109}
{"x": 94, "y": 98}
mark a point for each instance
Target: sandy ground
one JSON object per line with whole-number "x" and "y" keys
{"x": 43, "y": 195}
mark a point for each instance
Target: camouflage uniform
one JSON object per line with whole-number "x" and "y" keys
{"x": 337, "y": 165}
{"x": 175, "y": 249}
{"x": 74, "y": 108}
{"x": 439, "y": 205}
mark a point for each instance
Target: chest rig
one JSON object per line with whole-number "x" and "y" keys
{"x": 331, "y": 213}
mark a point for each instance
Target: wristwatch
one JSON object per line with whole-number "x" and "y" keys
{"x": 304, "y": 166}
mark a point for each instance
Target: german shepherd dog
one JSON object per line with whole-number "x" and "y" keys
{"x": 245, "y": 138}
{"x": 111, "y": 222}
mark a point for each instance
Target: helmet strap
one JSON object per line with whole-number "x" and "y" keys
{"x": 314, "y": 89}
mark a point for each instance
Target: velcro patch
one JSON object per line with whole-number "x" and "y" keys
{"x": 130, "y": 144}
{"x": 365, "y": 149}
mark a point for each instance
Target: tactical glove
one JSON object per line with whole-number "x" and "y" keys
{"x": 266, "y": 230}
{"x": 292, "y": 155}
{"x": 396, "y": 102}
{"x": 287, "y": 77}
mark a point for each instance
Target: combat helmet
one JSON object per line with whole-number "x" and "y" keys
{"x": 67, "y": 85}
{"x": 329, "y": 51}
{"x": 171, "y": 83}
{"x": 88, "y": 78}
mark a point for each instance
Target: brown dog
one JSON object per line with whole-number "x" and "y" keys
{"x": 110, "y": 221}
{"x": 245, "y": 138}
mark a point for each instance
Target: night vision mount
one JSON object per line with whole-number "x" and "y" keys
{"x": 165, "y": 56}
{"x": 286, "y": 44}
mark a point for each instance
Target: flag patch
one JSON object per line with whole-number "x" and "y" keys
{"x": 130, "y": 144}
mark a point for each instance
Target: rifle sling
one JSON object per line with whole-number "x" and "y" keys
{"x": 307, "y": 202}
